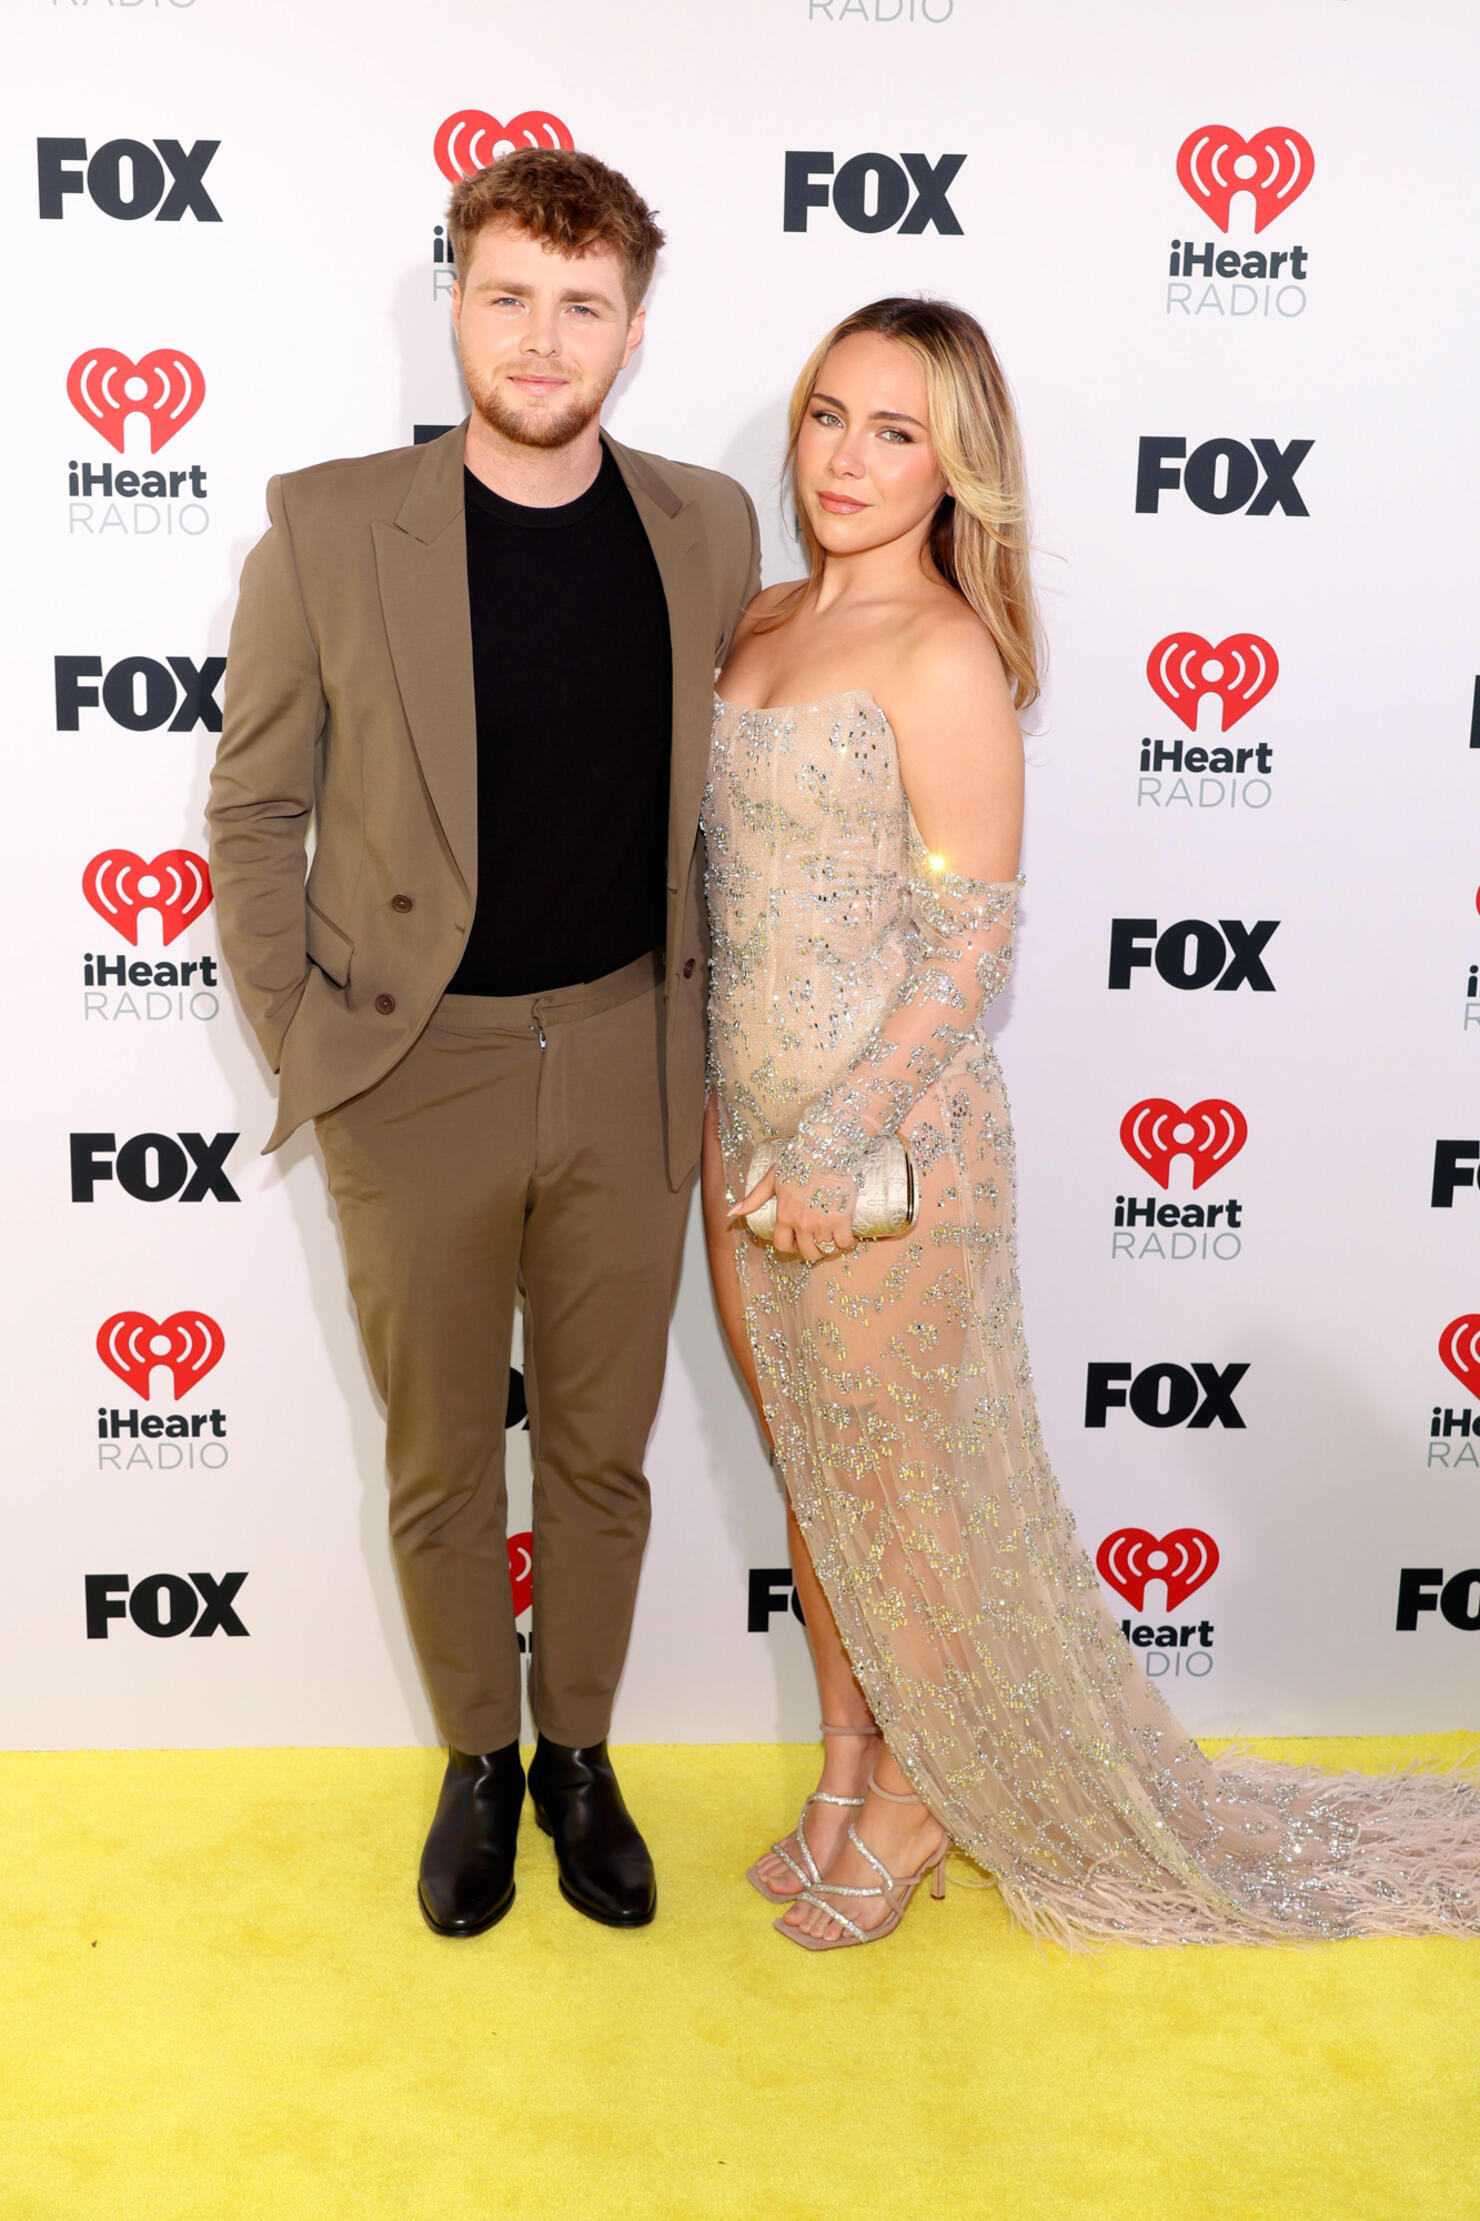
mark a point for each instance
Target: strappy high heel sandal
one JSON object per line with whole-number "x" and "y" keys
{"x": 811, "y": 1878}
{"x": 888, "y": 1888}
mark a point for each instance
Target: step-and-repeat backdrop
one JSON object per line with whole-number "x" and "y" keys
{"x": 1225, "y": 253}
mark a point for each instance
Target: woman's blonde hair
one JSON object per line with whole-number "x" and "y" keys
{"x": 979, "y": 535}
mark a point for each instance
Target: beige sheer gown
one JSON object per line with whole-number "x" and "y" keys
{"x": 851, "y": 975}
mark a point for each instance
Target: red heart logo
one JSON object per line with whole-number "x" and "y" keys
{"x": 1130, "y": 1558}
{"x": 1211, "y": 1133}
{"x": 521, "y": 1572}
{"x": 105, "y": 389}
{"x": 131, "y": 1344}
{"x": 470, "y": 140}
{"x": 1459, "y": 1347}
{"x": 1240, "y": 671}
{"x": 1275, "y": 166}
{"x": 120, "y": 886}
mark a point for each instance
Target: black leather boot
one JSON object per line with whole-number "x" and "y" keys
{"x": 605, "y": 1870}
{"x": 467, "y": 1868}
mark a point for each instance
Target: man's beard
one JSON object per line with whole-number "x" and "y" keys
{"x": 532, "y": 427}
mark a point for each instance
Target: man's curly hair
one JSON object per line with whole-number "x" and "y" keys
{"x": 568, "y": 201}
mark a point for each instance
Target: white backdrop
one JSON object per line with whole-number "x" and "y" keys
{"x": 313, "y": 313}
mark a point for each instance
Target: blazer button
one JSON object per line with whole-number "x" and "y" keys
{"x": 402, "y": 902}
{"x": 688, "y": 970}
{"x": 385, "y": 1004}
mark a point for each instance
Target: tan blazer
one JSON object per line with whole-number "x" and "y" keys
{"x": 349, "y": 702}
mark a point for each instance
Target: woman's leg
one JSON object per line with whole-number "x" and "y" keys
{"x": 846, "y": 1759}
{"x": 719, "y": 1240}
{"x": 843, "y": 1702}
{"x": 903, "y": 1836}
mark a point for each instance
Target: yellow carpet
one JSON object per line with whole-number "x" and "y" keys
{"x": 219, "y": 2000}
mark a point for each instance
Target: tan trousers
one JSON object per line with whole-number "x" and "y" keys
{"x": 519, "y": 1144}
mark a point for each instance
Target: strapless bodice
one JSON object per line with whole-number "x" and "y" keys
{"x": 807, "y": 831}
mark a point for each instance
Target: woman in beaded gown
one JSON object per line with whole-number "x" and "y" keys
{"x": 862, "y": 821}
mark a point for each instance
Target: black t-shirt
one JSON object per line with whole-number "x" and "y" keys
{"x": 572, "y": 677}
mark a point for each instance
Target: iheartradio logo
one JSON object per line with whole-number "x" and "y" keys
{"x": 1240, "y": 671}
{"x": 106, "y": 389}
{"x": 1274, "y": 168}
{"x": 472, "y": 139}
{"x": 1132, "y": 1558}
{"x": 189, "y": 1343}
{"x": 521, "y": 1571}
{"x": 1209, "y": 1134}
{"x": 1459, "y": 1348}
{"x": 121, "y": 886}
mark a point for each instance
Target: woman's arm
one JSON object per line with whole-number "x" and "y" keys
{"x": 961, "y": 754}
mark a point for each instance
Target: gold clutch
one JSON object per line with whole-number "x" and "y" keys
{"x": 888, "y": 1196}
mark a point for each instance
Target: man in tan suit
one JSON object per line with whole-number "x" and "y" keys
{"x": 484, "y": 669}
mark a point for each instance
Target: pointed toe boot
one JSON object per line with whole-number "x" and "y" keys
{"x": 467, "y": 1868}
{"x": 605, "y": 1870}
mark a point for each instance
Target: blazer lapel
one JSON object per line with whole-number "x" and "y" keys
{"x": 673, "y": 528}
{"x": 422, "y": 566}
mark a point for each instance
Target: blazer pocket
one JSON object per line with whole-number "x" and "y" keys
{"x": 328, "y": 948}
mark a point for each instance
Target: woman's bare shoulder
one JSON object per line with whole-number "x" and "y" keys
{"x": 748, "y": 657}
{"x": 945, "y": 660}
{"x": 960, "y": 747}
{"x": 769, "y": 600}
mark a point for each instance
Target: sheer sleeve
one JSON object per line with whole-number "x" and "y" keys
{"x": 959, "y": 934}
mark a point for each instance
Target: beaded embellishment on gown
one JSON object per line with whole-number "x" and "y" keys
{"x": 851, "y": 973}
